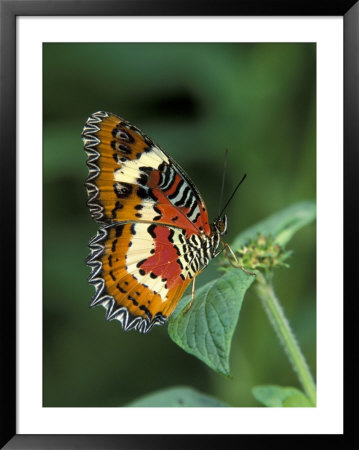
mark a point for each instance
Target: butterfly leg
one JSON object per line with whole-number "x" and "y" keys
{"x": 193, "y": 290}
{"x": 236, "y": 264}
{"x": 190, "y": 303}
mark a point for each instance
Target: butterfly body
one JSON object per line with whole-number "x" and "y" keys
{"x": 155, "y": 235}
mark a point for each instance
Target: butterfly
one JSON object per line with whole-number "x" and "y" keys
{"x": 155, "y": 236}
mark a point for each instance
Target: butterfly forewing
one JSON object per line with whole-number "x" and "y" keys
{"x": 131, "y": 178}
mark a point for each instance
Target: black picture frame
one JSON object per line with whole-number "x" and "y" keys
{"x": 9, "y": 10}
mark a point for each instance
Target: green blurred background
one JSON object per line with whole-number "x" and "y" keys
{"x": 195, "y": 100}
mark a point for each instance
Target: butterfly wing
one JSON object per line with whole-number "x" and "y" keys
{"x": 140, "y": 272}
{"x": 131, "y": 178}
{"x": 148, "y": 250}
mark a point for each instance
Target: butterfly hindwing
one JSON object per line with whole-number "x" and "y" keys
{"x": 131, "y": 178}
{"x": 140, "y": 272}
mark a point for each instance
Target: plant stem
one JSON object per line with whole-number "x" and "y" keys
{"x": 265, "y": 291}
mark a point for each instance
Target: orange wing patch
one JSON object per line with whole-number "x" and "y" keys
{"x": 117, "y": 151}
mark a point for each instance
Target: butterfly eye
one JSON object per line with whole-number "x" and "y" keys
{"x": 223, "y": 225}
{"x": 220, "y": 225}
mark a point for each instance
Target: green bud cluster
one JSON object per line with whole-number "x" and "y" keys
{"x": 262, "y": 253}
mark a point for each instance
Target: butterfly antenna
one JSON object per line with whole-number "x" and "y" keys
{"x": 223, "y": 178}
{"x": 230, "y": 198}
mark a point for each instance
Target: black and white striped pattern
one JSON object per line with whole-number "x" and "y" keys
{"x": 167, "y": 177}
{"x": 185, "y": 194}
{"x": 197, "y": 250}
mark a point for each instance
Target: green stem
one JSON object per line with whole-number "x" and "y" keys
{"x": 276, "y": 315}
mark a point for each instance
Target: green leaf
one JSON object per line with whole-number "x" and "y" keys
{"x": 275, "y": 396}
{"x": 206, "y": 330}
{"x": 177, "y": 397}
{"x": 281, "y": 225}
{"x": 297, "y": 400}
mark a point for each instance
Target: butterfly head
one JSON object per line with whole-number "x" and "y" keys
{"x": 220, "y": 225}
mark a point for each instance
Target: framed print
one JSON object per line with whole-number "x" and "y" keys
{"x": 139, "y": 143}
